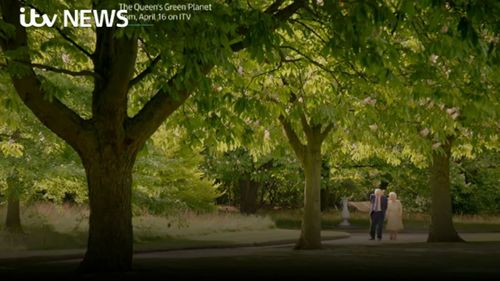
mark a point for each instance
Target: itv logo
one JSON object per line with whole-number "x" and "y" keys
{"x": 76, "y": 18}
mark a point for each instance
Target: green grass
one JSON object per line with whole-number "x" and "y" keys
{"x": 49, "y": 226}
{"x": 291, "y": 219}
{"x": 147, "y": 227}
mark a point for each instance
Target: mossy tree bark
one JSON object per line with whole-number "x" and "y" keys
{"x": 441, "y": 228}
{"x": 310, "y": 157}
{"x": 248, "y": 196}
{"x": 13, "y": 216}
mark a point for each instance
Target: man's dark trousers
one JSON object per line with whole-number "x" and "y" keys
{"x": 377, "y": 224}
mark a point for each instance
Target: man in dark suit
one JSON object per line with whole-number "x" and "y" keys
{"x": 378, "y": 207}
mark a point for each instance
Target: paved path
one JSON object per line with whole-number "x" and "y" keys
{"x": 282, "y": 243}
{"x": 223, "y": 240}
{"x": 354, "y": 239}
{"x": 351, "y": 258}
{"x": 362, "y": 239}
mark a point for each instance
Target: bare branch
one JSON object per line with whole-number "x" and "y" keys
{"x": 145, "y": 72}
{"x": 73, "y": 42}
{"x": 65, "y": 36}
{"x": 310, "y": 29}
{"x": 316, "y": 63}
{"x": 283, "y": 59}
{"x": 143, "y": 47}
{"x": 55, "y": 69}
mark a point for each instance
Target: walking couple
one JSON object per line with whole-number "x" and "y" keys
{"x": 382, "y": 207}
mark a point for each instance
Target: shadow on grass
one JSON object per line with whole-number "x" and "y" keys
{"x": 41, "y": 238}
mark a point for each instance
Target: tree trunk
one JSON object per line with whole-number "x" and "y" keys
{"x": 110, "y": 241}
{"x": 325, "y": 194}
{"x": 310, "y": 237}
{"x": 441, "y": 228}
{"x": 248, "y": 196}
{"x": 13, "y": 217}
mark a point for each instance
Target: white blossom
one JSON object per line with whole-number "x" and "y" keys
{"x": 424, "y": 132}
{"x": 433, "y": 58}
{"x": 370, "y": 101}
{"x": 65, "y": 58}
{"x": 266, "y": 134}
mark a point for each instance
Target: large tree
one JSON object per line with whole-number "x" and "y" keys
{"x": 439, "y": 101}
{"x": 177, "y": 55}
{"x": 311, "y": 94}
{"x": 450, "y": 67}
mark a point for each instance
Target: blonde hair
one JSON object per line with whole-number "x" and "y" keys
{"x": 378, "y": 191}
{"x": 393, "y": 195}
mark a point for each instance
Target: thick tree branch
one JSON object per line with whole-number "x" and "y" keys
{"x": 279, "y": 15}
{"x": 326, "y": 131}
{"x": 274, "y": 7}
{"x": 158, "y": 108}
{"x": 298, "y": 147}
{"x": 167, "y": 100}
{"x": 114, "y": 60}
{"x": 145, "y": 72}
{"x": 285, "y": 13}
{"x": 53, "y": 113}
{"x": 305, "y": 125}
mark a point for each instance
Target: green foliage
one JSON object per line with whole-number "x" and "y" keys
{"x": 475, "y": 185}
{"x": 278, "y": 176}
{"x": 29, "y": 156}
{"x": 167, "y": 177}
{"x": 395, "y": 78}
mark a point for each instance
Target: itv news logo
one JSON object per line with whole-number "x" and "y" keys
{"x": 76, "y": 18}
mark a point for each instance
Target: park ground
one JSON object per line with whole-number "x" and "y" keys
{"x": 353, "y": 257}
{"x": 255, "y": 247}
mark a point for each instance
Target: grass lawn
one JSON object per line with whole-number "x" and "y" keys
{"x": 291, "y": 219}
{"x": 56, "y": 228}
{"x": 49, "y": 227}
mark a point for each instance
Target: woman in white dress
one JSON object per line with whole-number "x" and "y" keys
{"x": 394, "y": 216}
